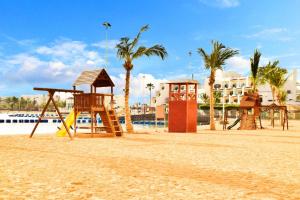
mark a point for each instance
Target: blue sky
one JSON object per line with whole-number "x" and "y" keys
{"x": 48, "y": 43}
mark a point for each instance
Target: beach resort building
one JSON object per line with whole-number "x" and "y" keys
{"x": 232, "y": 86}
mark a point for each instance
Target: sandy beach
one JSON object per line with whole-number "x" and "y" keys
{"x": 154, "y": 164}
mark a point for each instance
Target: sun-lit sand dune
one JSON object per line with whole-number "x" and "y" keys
{"x": 262, "y": 164}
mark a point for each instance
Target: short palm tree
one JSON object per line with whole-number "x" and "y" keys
{"x": 213, "y": 62}
{"x": 205, "y": 98}
{"x": 254, "y": 62}
{"x": 128, "y": 50}
{"x": 150, "y": 87}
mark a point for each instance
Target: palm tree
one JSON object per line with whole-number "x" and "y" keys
{"x": 128, "y": 51}
{"x": 274, "y": 76}
{"x": 205, "y": 98}
{"x": 254, "y": 62}
{"x": 213, "y": 62}
{"x": 15, "y": 101}
{"x": 150, "y": 86}
{"x": 217, "y": 96}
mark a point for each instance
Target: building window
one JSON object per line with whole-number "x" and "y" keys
{"x": 234, "y": 85}
{"x": 226, "y": 85}
{"x": 217, "y": 86}
{"x": 289, "y": 91}
{"x": 231, "y": 92}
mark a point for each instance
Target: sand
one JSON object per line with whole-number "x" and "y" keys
{"x": 153, "y": 164}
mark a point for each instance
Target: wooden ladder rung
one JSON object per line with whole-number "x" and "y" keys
{"x": 89, "y": 127}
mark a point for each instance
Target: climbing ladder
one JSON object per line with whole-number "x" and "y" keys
{"x": 111, "y": 122}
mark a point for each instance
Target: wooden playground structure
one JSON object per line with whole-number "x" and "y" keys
{"x": 93, "y": 104}
{"x": 250, "y": 110}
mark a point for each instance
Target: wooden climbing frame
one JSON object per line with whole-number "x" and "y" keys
{"x": 51, "y": 92}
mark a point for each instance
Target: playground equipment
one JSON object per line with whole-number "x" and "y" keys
{"x": 234, "y": 123}
{"x": 183, "y": 106}
{"x": 92, "y": 104}
{"x": 69, "y": 122}
{"x": 51, "y": 92}
{"x": 250, "y": 109}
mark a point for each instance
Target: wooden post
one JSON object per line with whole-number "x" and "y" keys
{"x": 287, "y": 119}
{"x": 42, "y": 114}
{"x": 112, "y": 98}
{"x": 61, "y": 118}
{"x": 92, "y": 123}
{"x": 75, "y": 119}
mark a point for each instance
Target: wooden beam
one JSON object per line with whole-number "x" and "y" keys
{"x": 42, "y": 115}
{"x": 61, "y": 118}
{"x": 57, "y": 90}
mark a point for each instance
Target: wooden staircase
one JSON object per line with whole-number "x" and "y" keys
{"x": 110, "y": 120}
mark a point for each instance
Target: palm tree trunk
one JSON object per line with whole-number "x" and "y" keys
{"x": 129, "y": 126}
{"x": 211, "y": 107}
{"x": 150, "y": 99}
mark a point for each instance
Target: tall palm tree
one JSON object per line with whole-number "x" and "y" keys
{"x": 254, "y": 62}
{"x": 274, "y": 76}
{"x": 213, "y": 62}
{"x": 128, "y": 50}
{"x": 150, "y": 86}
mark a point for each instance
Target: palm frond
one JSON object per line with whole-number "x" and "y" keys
{"x": 205, "y": 57}
{"x": 123, "y": 48}
{"x": 157, "y": 50}
{"x": 137, "y": 37}
{"x": 254, "y": 62}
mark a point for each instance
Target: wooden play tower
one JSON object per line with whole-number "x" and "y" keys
{"x": 183, "y": 106}
{"x": 250, "y": 111}
{"x": 94, "y": 104}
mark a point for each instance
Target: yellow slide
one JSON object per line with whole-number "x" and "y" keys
{"x": 69, "y": 122}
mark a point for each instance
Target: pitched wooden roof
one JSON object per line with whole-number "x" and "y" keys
{"x": 97, "y": 78}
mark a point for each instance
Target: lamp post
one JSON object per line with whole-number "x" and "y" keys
{"x": 107, "y": 25}
{"x": 223, "y": 102}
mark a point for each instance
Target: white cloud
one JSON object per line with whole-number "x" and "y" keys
{"x": 26, "y": 62}
{"x": 24, "y": 42}
{"x": 280, "y": 34}
{"x": 2, "y": 87}
{"x": 109, "y": 44}
{"x": 137, "y": 84}
{"x": 221, "y": 3}
{"x": 238, "y": 63}
{"x": 58, "y": 62}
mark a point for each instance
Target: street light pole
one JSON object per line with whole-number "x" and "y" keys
{"x": 223, "y": 102}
